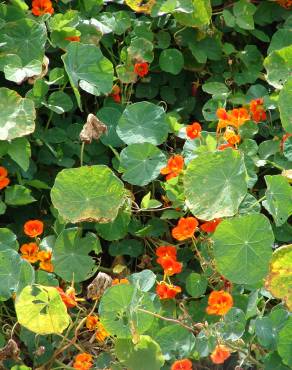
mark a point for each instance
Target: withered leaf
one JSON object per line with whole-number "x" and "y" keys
{"x": 98, "y": 286}
{"x": 92, "y": 129}
{"x": 10, "y": 351}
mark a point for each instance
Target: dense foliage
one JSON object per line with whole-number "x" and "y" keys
{"x": 145, "y": 170}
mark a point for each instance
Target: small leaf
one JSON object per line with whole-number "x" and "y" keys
{"x": 171, "y": 61}
{"x": 18, "y": 195}
{"x": 196, "y": 284}
{"x": 8, "y": 240}
{"x": 19, "y": 150}
{"x": 59, "y": 102}
{"x": 284, "y": 104}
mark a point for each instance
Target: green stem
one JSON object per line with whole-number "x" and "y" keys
{"x": 82, "y": 153}
{"x": 257, "y": 202}
{"x": 49, "y": 120}
{"x": 276, "y": 165}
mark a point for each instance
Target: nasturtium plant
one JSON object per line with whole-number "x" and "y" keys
{"x": 145, "y": 184}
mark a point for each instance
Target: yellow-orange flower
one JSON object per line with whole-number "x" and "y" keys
{"x": 220, "y": 354}
{"x": 235, "y": 118}
{"x": 83, "y": 361}
{"x": 45, "y": 258}
{"x": 219, "y": 303}
{"x": 120, "y": 281}
{"x": 174, "y": 167}
{"x": 29, "y": 252}
{"x": 100, "y": 333}
{"x": 185, "y": 228}
{"x": 231, "y": 137}
{"x": 33, "y": 228}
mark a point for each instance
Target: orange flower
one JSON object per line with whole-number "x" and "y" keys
{"x": 220, "y": 354}
{"x": 68, "y": 297}
{"x": 73, "y": 38}
{"x": 185, "y": 228}
{"x": 285, "y": 3}
{"x": 194, "y": 130}
{"x": 284, "y": 138}
{"x": 225, "y": 146}
{"x": 174, "y": 166}
{"x": 171, "y": 266}
{"x": 120, "y": 281}
{"x": 91, "y": 322}
{"x": 3, "y": 173}
{"x": 29, "y": 252}
{"x": 210, "y": 226}
{"x": 257, "y": 110}
{"x": 184, "y": 364}
{"x": 141, "y": 69}
{"x": 231, "y": 137}
{"x": 83, "y": 361}
{"x": 45, "y": 261}
{"x": 100, "y": 333}
{"x": 41, "y": 7}
{"x": 236, "y": 117}
{"x": 4, "y": 182}
{"x": 164, "y": 252}
{"x": 33, "y": 228}
{"x": 219, "y": 303}
{"x": 115, "y": 94}
{"x": 167, "y": 291}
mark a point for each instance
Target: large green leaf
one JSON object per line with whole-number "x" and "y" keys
{"x": 70, "y": 255}
{"x": 215, "y": 184}
{"x": 25, "y": 38}
{"x": 17, "y": 115}
{"x": 200, "y": 16}
{"x": 175, "y": 342}
{"x": 285, "y": 108}
{"x": 88, "y": 194}
{"x": 279, "y": 66}
{"x": 143, "y": 122}
{"x": 15, "y": 273}
{"x": 119, "y": 310}
{"x": 41, "y": 310}
{"x": 285, "y": 343}
{"x": 144, "y": 355}
{"x": 243, "y": 248}
{"x": 88, "y": 69}
{"x": 8, "y": 239}
{"x": 278, "y": 198}
{"x": 279, "y": 280}
{"x": 141, "y": 163}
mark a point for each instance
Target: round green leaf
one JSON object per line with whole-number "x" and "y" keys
{"x": 233, "y": 326}
{"x": 175, "y": 342}
{"x": 285, "y": 343}
{"x": 278, "y": 198}
{"x": 279, "y": 280}
{"x": 144, "y": 355}
{"x": 89, "y": 69}
{"x": 171, "y": 61}
{"x": 243, "y": 248}
{"x": 119, "y": 310}
{"x": 70, "y": 255}
{"x": 141, "y": 163}
{"x": 41, "y": 310}
{"x": 284, "y": 104}
{"x": 215, "y": 184}
{"x": 8, "y": 239}
{"x": 110, "y": 117}
{"x": 196, "y": 284}
{"x": 200, "y": 15}
{"x": 15, "y": 273}
{"x": 143, "y": 122}
{"x": 59, "y": 102}
{"x": 88, "y": 194}
{"x": 17, "y": 115}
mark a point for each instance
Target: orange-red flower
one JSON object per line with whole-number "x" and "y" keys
{"x": 184, "y": 364}
{"x": 100, "y": 333}
{"x": 219, "y": 303}
{"x": 83, "y": 361}
{"x": 41, "y": 7}
{"x": 171, "y": 266}
{"x": 120, "y": 281}
{"x": 29, "y": 252}
{"x": 164, "y": 252}
{"x": 68, "y": 297}
{"x": 4, "y": 180}
{"x": 284, "y": 138}
{"x": 210, "y": 226}
{"x": 185, "y": 228}
{"x": 91, "y": 322}
{"x": 257, "y": 110}
{"x": 194, "y": 130}
{"x": 231, "y": 137}
{"x": 45, "y": 258}
{"x": 285, "y": 3}
{"x": 167, "y": 291}
{"x": 73, "y": 38}
{"x": 174, "y": 167}
{"x": 141, "y": 69}
{"x": 115, "y": 94}
{"x": 225, "y": 146}
{"x": 33, "y": 228}
{"x": 220, "y": 354}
